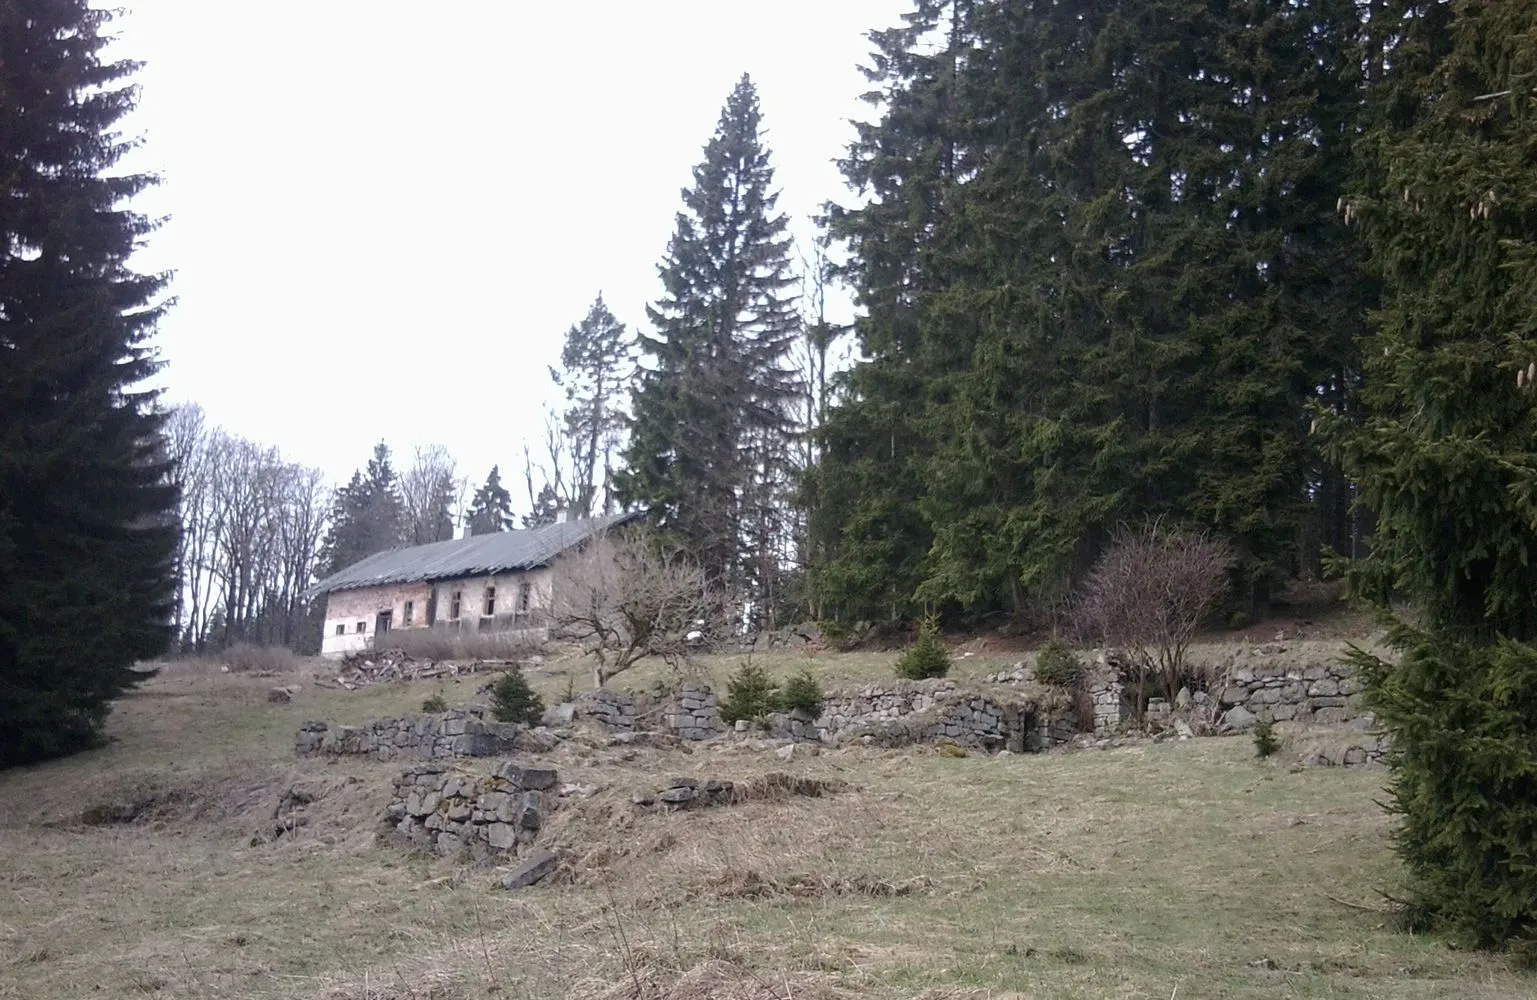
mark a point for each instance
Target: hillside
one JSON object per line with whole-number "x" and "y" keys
{"x": 1186, "y": 869}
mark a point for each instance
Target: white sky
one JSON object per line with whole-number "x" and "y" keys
{"x": 383, "y": 220}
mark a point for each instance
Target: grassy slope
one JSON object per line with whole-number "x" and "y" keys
{"x": 1122, "y": 873}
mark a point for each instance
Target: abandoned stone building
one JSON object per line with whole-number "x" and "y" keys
{"x": 484, "y": 583}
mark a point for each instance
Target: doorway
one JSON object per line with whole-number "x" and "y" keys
{"x": 382, "y": 622}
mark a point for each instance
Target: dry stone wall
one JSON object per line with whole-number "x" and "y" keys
{"x": 1320, "y": 693}
{"x": 449, "y": 811}
{"x": 694, "y": 715}
{"x": 927, "y": 711}
{"x": 456, "y": 733}
{"x": 615, "y": 709}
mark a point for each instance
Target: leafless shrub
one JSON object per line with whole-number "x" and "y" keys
{"x": 243, "y": 658}
{"x": 1149, "y": 595}
{"x": 441, "y": 643}
{"x": 624, "y": 599}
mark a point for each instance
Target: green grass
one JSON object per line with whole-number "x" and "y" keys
{"x": 1124, "y": 873}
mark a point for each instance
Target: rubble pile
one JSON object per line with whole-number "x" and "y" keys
{"x": 377, "y": 666}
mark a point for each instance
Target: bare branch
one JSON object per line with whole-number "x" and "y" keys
{"x": 624, "y": 600}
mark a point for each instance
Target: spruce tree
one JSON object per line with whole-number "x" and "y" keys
{"x": 87, "y": 530}
{"x": 595, "y": 367}
{"x": 865, "y": 528}
{"x": 1443, "y": 452}
{"x": 367, "y": 516}
{"x": 711, "y": 414}
{"x": 491, "y": 508}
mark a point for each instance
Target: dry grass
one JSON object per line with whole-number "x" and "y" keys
{"x": 452, "y": 644}
{"x": 1128, "y": 873}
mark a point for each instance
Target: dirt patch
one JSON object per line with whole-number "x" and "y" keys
{"x": 207, "y": 800}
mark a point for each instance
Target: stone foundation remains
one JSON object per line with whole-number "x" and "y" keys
{"x": 456, "y": 733}
{"x": 694, "y": 715}
{"x": 448, "y": 811}
{"x": 926, "y": 711}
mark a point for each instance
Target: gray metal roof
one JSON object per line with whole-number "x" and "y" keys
{"x": 478, "y": 555}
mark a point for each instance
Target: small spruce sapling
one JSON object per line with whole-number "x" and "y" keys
{"x": 1057, "y": 666}
{"x": 512, "y": 700}
{"x": 1265, "y": 742}
{"x": 927, "y": 657}
{"x": 802, "y": 693}
{"x": 435, "y": 703}
{"x": 750, "y": 695}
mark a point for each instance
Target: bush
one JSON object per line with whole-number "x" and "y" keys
{"x": 242, "y": 658}
{"x": 1462, "y": 715}
{"x": 435, "y": 703}
{"x": 750, "y": 695}
{"x": 927, "y": 657}
{"x": 1265, "y": 742}
{"x": 1057, "y": 666}
{"x": 802, "y": 693}
{"x": 512, "y": 700}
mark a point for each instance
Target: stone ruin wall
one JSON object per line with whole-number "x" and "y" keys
{"x": 932, "y": 710}
{"x": 456, "y": 733}
{"x": 992, "y": 714}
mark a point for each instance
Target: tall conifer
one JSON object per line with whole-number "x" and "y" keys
{"x": 711, "y": 415}
{"x": 87, "y": 535}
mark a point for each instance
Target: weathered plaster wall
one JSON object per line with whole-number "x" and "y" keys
{"x": 349, "y": 607}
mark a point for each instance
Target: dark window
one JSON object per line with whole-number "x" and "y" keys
{"x": 406, "y": 613}
{"x": 453, "y": 608}
{"x": 524, "y": 591}
{"x": 362, "y": 626}
{"x": 341, "y": 629}
{"x": 490, "y": 602}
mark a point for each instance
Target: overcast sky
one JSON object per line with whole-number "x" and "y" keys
{"x": 383, "y": 217}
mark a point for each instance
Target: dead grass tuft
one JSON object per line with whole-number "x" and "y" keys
{"x": 451, "y": 644}
{"x": 751, "y": 884}
{"x": 716, "y": 979}
{"x": 243, "y": 658}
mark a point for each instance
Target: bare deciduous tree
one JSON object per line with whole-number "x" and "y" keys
{"x": 1149, "y": 595}
{"x": 623, "y": 599}
{"x": 250, "y": 527}
{"x": 432, "y": 492}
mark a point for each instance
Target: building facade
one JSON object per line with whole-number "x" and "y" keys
{"x": 485, "y": 583}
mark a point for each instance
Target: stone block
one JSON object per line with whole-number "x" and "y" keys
{"x": 501, "y": 836}
{"x": 533, "y": 779}
{"x": 677, "y": 795}
{"x": 537, "y": 867}
{"x": 1330, "y": 702}
{"x": 459, "y": 811}
{"x": 530, "y": 811}
{"x": 1323, "y": 688}
{"x": 449, "y": 844}
{"x": 1283, "y": 712}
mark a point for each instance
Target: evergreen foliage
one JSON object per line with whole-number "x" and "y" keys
{"x": 711, "y": 427}
{"x": 87, "y": 509}
{"x": 802, "y": 693}
{"x": 1442, "y": 449}
{"x": 1099, "y": 286}
{"x": 367, "y": 517}
{"x": 435, "y": 703}
{"x": 750, "y": 695}
{"x": 513, "y": 700}
{"x": 491, "y": 507}
{"x": 927, "y": 657}
{"x": 596, "y": 366}
{"x": 1265, "y": 742}
{"x": 1058, "y": 666}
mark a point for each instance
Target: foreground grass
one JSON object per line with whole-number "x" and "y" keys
{"x": 1130, "y": 873}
